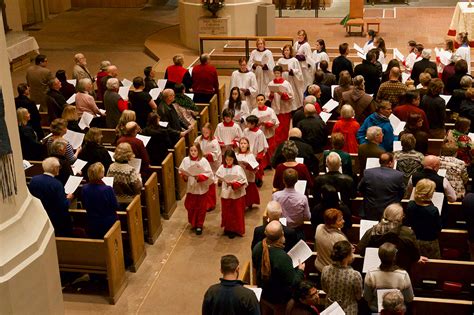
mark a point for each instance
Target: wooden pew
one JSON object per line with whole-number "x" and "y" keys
{"x": 167, "y": 186}
{"x": 150, "y": 197}
{"x": 179, "y": 153}
{"x": 132, "y": 226}
{"x": 108, "y": 137}
{"x": 192, "y": 135}
{"x": 427, "y": 279}
{"x": 44, "y": 119}
{"x": 434, "y": 146}
{"x": 35, "y": 169}
{"x": 431, "y": 306}
{"x": 96, "y": 256}
{"x": 203, "y": 115}
{"x": 221, "y": 99}
{"x": 214, "y": 111}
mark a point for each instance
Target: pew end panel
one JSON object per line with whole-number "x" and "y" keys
{"x": 167, "y": 186}
{"x": 179, "y": 153}
{"x": 150, "y": 197}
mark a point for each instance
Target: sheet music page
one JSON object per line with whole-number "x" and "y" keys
{"x": 300, "y": 253}
{"x": 400, "y": 127}
{"x": 446, "y": 98}
{"x": 332, "y": 90}
{"x": 372, "y": 163}
{"x": 78, "y": 166}
{"x": 72, "y": 99}
{"x": 72, "y": 183}
{"x": 299, "y": 160}
{"x": 405, "y": 77}
{"x": 333, "y": 309}
{"x": 190, "y": 95}
{"x": 123, "y": 92}
{"x": 229, "y": 178}
{"x": 325, "y": 116}
{"x": 371, "y": 259}
{"x": 365, "y": 225}
{"x": 300, "y": 186}
{"x": 127, "y": 83}
{"x": 398, "y": 54}
{"x": 471, "y": 135}
{"x": 85, "y": 121}
{"x": 38, "y": 106}
{"x": 442, "y": 172}
{"x": 194, "y": 170}
{"x": 362, "y": 56}
{"x": 145, "y": 139}
{"x": 136, "y": 163}
{"x": 72, "y": 81}
{"x": 394, "y": 121}
{"x": 154, "y": 93}
{"x": 397, "y": 146}
{"x": 161, "y": 84}
{"x": 283, "y": 221}
{"x": 380, "y": 294}
{"x": 163, "y": 124}
{"x": 111, "y": 155}
{"x": 330, "y": 105}
{"x": 26, "y": 165}
{"x": 74, "y": 138}
{"x": 358, "y": 48}
{"x": 109, "y": 181}
{"x": 257, "y": 291}
{"x": 437, "y": 200}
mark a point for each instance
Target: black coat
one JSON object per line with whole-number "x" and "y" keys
{"x": 289, "y": 233}
{"x": 30, "y": 146}
{"x": 343, "y": 183}
{"x": 371, "y": 75}
{"x": 35, "y": 117}
{"x": 341, "y": 63}
{"x": 314, "y": 132}
{"x": 420, "y": 67}
{"x": 305, "y": 151}
{"x": 93, "y": 152}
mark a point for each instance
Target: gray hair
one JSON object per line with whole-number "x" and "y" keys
{"x": 373, "y": 132}
{"x": 358, "y": 82}
{"x": 466, "y": 81}
{"x": 310, "y": 99}
{"x": 58, "y": 146}
{"x": 393, "y": 302}
{"x": 50, "y": 165}
{"x": 289, "y": 150}
{"x": 113, "y": 84}
{"x": 82, "y": 85}
{"x": 347, "y": 111}
{"x": 274, "y": 210}
{"x": 393, "y": 213}
{"x": 77, "y": 57}
{"x": 104, "y": 65}
{"x": 426, "y": 53}
{"x": 333, "y": 161}
{"x": 204, "y": 58}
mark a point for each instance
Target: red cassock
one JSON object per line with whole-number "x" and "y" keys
{"x": 197, "y": 206}
{"x": 233, "y": 215}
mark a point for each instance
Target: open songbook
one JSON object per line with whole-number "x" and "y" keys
{"x": 333, "y": 309}
{"x": 247, "y": 159}
{"x": 193, "y": 170}
{"x": 300, "y": 253}
{"x": 277, "y": 88}
{"x": 72, "y": 183}
{"x": 330, "y": 105}
{"x": 397, "y": 124}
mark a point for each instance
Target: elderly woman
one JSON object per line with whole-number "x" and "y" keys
{"x": 393, "y": 304}
{"x": 84, "y": 100}
{"x": 58, "y": 150}
{"x": 459, "y": 95}
{"x": 345, "y": 84}
{"x": 327, "y": 235}
{"x": 435, "y": 109}
{"x": 127, "y": 181}
{"x": 424, "y": 219}
{"x": 126, "y": 116}
{"x": 387, "y": 276}
{"x": 30, "y": 146}
{"x": 100, "y": 202}
{"x": 176, "y": 73}
{"x": 348, "y": 126}
{"x": 459, "y": 136}
{"x": 141, "y": 102}
{"x": 456, "y": 170}
{"x": 58, "y": 129}
{"x": 341, "y": 283}
{"x": 362, "y": 103}
{"x": 408, "y": 160}
{"x": 113, "y": 103}
{"x": 100, "y": 75}
{"x": 391, "y": 229}
{"x": 290, "y": 152}
{"x": 93, "y": 151}
{"x": 70, "y": 116}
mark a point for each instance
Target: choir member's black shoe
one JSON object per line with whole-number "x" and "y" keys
{"x": 231, "y": 235}
{"x": 258, "y": 182}
{"x": 198, "y": 231}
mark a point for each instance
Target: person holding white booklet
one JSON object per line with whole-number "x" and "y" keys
{"x": 250, "y": 165}
{"x": 85, "y": 102}
{"x": 127, "y": 181}
{"x": 246, "y": 82}
{"x": 138, "y": 148}
{"x": 293, "y": 74}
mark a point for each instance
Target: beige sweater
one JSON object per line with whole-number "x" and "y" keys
{"x": 325, "y": 240}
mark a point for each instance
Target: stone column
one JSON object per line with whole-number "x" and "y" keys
{"x": 29, "y": 273}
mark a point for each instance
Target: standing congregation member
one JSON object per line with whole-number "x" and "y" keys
{"x": 342, "y": 62}
{"x": 80, "y": 70}
{"x": 141, "y": 102}
{"x": 464, "y": 51}
{"x": 176, "y": 73}
{"x": 55, "y": 101}
{"x": 100, "y": 75}
{"x": 362, "y": 103}
{"x": 304, "y": 301}
{"x": 114, "y": 104}
{"x": 205, "y": 80}
{"x": 380, "y": 119}
{"x": 149, "y": 79}
{"x": 127, "y": 181}
{"x": 38, "y": 77}
{"x": 23, "y": 100}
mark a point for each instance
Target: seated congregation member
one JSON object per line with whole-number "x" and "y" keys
{"x": 362, "y": 103}
{"x": 313, "y": 129}
{"x": 58, "y": 129}
{"x": 391, "y": 229}
{"x": 127, "y": 181}
{"x": 292, "y": 73}
{"x": 176, "y": 73}
{"x": 282, "y": 103}
{"x": 232, "y": 195}
{"x": 240, "y": 107}
{"x": 381, "y": 186}
{"x": 380, "y": 119}
{"x": 305, "y": 151}
{"x": 70, "y": 116}
{"x": 205, "y": 82}
{"x": 337, "y": 142}
{"x": 58, "y": 150}
{"x": 422, "y": 64}
{"x": 387, "y": 276}
{"x": 50, "y": 192}
{"x": 274, "y": 213}
{"x": 370, "y": 72}
{"x": 245, "y": 156}
{"x": 227, "y": 132}
{"x": 160, "y": 141}
{"x": 344, "y": 85}
{"x": 149, "y": 79}
{"x": 411, "y": 105}
{"x": 343, "y": 183}
{"x": 340, "y": 282}
{"x": 246, "y": 82}
{"x": 31, "y": 147}
{"x": 392, "y": 89}
{"x": 424, "y": 219}
{"x": 290, "y": 152}
{"x": 230, "y": 296}
{"x": 139, "y": 150}
{"x": 328, "y": 197}
{"x": 55, "y": 101}
{"x": 371, "y": 148}
{"x": 408, "y": 159}
{"x": 93, "y": 151}
{"x": 393, "y": 304}
{"x": 126, "y": 116}
{"x": 327, "y": 235}
{"x": 293, "y": 203}
{"x": 304, "y": 301}
{"x": 456, "y": 170}
{"x": 100, "y": 75}
{"x": 414, "y": 127}
{"x": 23, "y": 100}
{"x": 84, "y": 100}
{"x": 168, "y": 113}
{"x": 67, "y": 89}
{"x": 275, "y": 273}
{"x": 197, "y": 187}
{"x": 140, "y": 101}
{"x": 348, "y": 127}
{"x": 113, "y": 103}
{"x": 459, "y": 95}
{"x": 435, "y": 109}
{"x": 100, "y": 202}
{"x": 459, "y": 136}
{"x": 342, "y": 62}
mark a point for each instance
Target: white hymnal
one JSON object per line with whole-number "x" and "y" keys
{"x": 333, "y": 87}
{"x": 444, "y": 56}
{"x": 127, "y": 83}
{"x": 397, "y": 54}
{"x": 365, "y": 225}
{"x": 300, "y": 186}
{"x": 248, "y": 159}
{"x": 161, "y": 84}
{"x": 397, "y": 146}
{"x": 145, "y": 139}
{"x": 72, "y": 183}
{"x": 299, "y": 160}
{"x": 405, "y": 77}
{"x": 437, "y": 200}
{"x": 257, "y": 291}
{"x": 371, "y": 259}
{"x": 230, "y": 178}
{"x": 384, "y": 67}
{"x": 300, "y": 253}
{"x": 78, "y": 166}
{"x": 163, "y": 124}
{"x": 442, "y": 172}
{"x": 38, "y": 106}
{"x": 330, "y": 105}
{"x": 109, "y": 181}
{"x": 325, "y": 116}
{"x": 362, "y": 56}
{"x": 123, "y": 92}
{"x": 72, "y": 99}
{"x": 136, "y": 163}
{"x": 85, "y": 121}
{"x": 380, "y": 294}
{"x": 194, "y": 170}
{"x": 74, "y": 138}
{"x": 277, "y": 88}
{"x": 397, "y": 124}
{"x": 333, "y": 309}
{"x": 26, "y": 165}
{"x": 190, "y": 95}
{"x": 358, "y": 48}
{"x": 111, "y": 155}
{"x": 154, "y": 93}
{"x": 372, "y": 163}
{"x": 283, "y": 221}
{"x": 72, "y": 81}
{"x": 446, "y": 98}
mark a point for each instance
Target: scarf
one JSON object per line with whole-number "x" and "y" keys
{"x": 266, "y": 268}
{"x": 8, "y": 184}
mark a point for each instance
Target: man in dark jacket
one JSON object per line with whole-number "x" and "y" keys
{"x": 55, "y": 101}
{"x": 342, "y": 63}
{"x": 230, "y": 297}
{"x": 370, "y": 72}
{"x": 421, "y": 65}
{"x": 313, "y": 129}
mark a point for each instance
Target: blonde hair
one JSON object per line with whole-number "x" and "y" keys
{"x": 21, "y": 116}
{"x": 123, "y": 152}
{"x": 96, "y": 172}
{"x": 93, "y": 135}
{"x": 424, "y": 190}
{"x": 69, "y": 113}
{"x": 347, "y": 111}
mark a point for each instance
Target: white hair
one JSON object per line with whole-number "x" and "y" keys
{"x": 50, "y": 165}
{"x": 113, "y": 84}
{"x": 274, "y": 210}
{"x": 333, "y": 161}
{"x": 82, "y": 84}
{"x": 373, "y": 132}
{"x": 426, "y": 54}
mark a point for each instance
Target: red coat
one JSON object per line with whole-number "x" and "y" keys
{"x": 403, "y": 112}
{"x": 349, "y": 128}
{"x": 205, "y": 79}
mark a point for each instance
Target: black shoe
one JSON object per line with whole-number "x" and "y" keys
{"x": 198, "y": 231}
{"x": 259, "y": 183}
{"x": 231, "y": 235}
{"x": 210, "y": 209}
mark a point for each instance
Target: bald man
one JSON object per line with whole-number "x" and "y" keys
{"x": 274, "y": 212}
{"x": 305, "y": 151}
{"x": 313, "y": 93}
{"x": 80, "y": 70}
{"x": 138, "y": 148}
{"x": 277, "y": 288}
{"x": 313, "y": 129}
{"x": 392, "y": 89}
